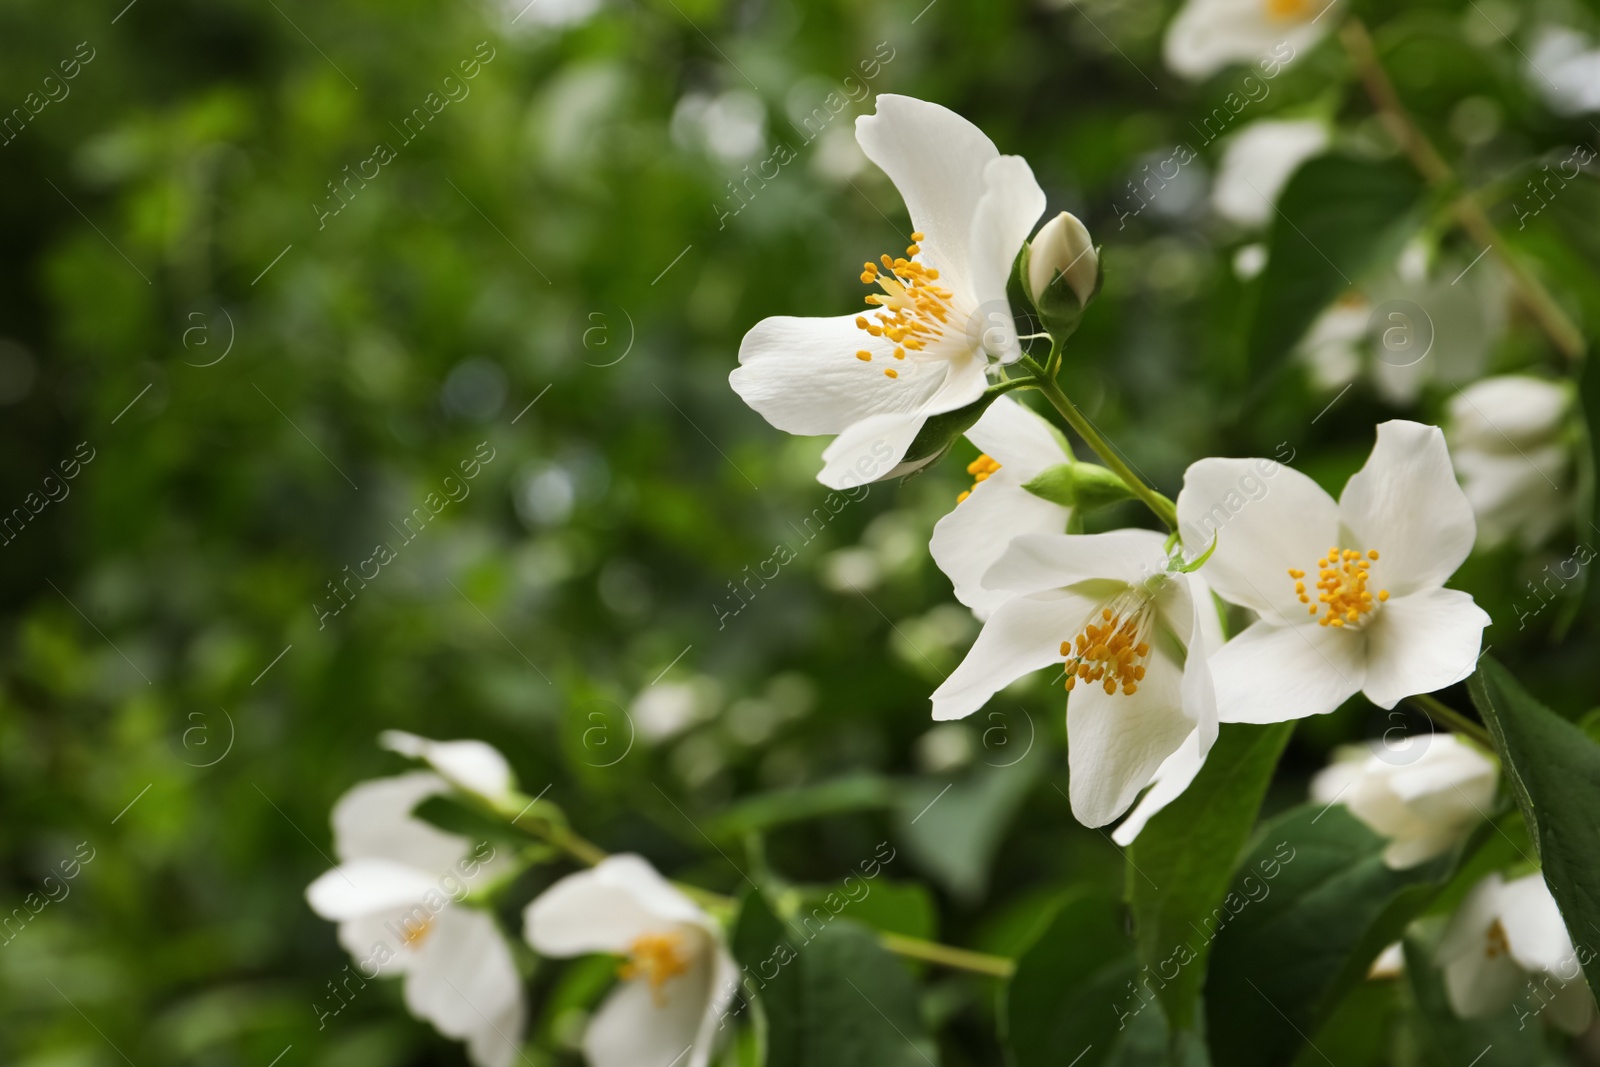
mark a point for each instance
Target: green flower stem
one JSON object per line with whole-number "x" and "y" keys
{"x": 946, "y": 956}
{"x": 590, "y": 854}
{"x": 1160, "y": 505}
{"x": 1435, "y": 708}
{"x": 1466, "y": 209}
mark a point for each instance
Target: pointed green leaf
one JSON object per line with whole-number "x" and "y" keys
{"x": 1337, "y": 217}
{"x": 1554, "y": 769}
{"x": 1310, "y": 908}
{"x": 1180, "y": 866}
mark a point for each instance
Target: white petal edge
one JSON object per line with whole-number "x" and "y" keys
{"x": 606, "y": 909}
{"x": 1422, "y": 643}
{"x": 1276, "y": 673}
{"x": 1024, "y": 634}
{"x": 474, "y": 766}
{"x": 971, "y": 538}
{"x": 1405, "y": 504}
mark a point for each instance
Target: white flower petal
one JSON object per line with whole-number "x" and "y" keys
{"x": 1405, "y": 504}
{"x": 607, "y": 908}
{"x": 869, "y": 451}
{"x": 364, "y": 886}
{"x": 936, "y": 160}
{"x": 1017, "y": 438}
{"x": 1052, "y": 561}
{"x": 1535, "y": 931}
{"x": 1117, "y": 742}
{"x": 1207, "y": 35}
{"x": 1481, "y": 985}
{"x": 464, "y": 981}
{"x": 1257, "y": 164}
{"x": 1266, "y": 519}
{"x": 1468, "y": 929}
{"x": 1571, "y": 1009}
{"x": 473, "y": 766}
{"x": 969, "y": 540}
{"x": 1011, "y": 203}
{"x": 1421, "y": 643}
{"x": 1024, "y": 634}
{"x": 1277, "y": 673}
{"x": 1507, "y": 412}
{"x": 376, "y": 942}
{"x": 373, "y": 820}
{"x": 1174, "y": 775}
{"x": 1522, "y": 495}
{"x": 1189, "y": 612}
{"x": 802, "y": 375}
{"x": 641, "y": 1027}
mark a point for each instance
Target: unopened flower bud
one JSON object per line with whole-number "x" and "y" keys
{"x": 1063, "y": 249}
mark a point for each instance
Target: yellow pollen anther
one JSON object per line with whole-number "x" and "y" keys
{"x": 415, "y": 935}
{"x": 1289, "y": 10}
{"x": 864, "y": 355}
{"x": 912, "y": 311}
{"x": 1342, "y": 577}
{"x": 1110, "y": 650}
{"x": 891, "y": 373}
{"x": 657, "y": 958}
{"x": 980, "y": 469}
{"x": 919, "y": 236}
{"x": 1497, "y": 943}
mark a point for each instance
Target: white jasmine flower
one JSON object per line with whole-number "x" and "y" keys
{"x": 1132, "y": 639}
{"x": 398, "y": 897}
{"x": 1258, "y": 162}
{"x": 1503, "y": 938}
{"x": 677, "y": 977}
{"x": 1425, "y": 804}
{"x": 1565, "y": 68}
{"x": 1018, "y": 445}
{"x": 1350, "y": 595}
{"x": 874, "y": 379}
{"x": 470, "y": 766}
{"x": 1507, "y": 437}
{"x": 1208, "y": 35}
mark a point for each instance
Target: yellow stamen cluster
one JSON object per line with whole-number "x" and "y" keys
{"x": 1109, "y": 651}
{"x": 1498, "y": 945}
{"x": 1291, "y": 10}
{"x": 980, "y": 469}
{"x": 1341, "y": 584}
{"x": 415, "y": 935}
{"x": 912, "y": 310}
{"x": 657, "y": 958}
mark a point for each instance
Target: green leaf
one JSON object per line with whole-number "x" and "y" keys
{"x": 1554, "y": 770}
{"x": 1181, "y": 864}
{"x": 892, "y": 907}
{"x": 942, "y": 431}
{"x": 837, "y": 796}
{"x": 1310, "y": 909}
{"x": 837, "y": 999}
{"x": 1337, "y": 217}
{"x": 1069, "y": 996}
{"x": 1449, "y": 1041}
{"x": 1078, "y": 485}
{"x": 952, "y": 831}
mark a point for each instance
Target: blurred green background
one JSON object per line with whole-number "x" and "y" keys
{"x": 270, "y": 374}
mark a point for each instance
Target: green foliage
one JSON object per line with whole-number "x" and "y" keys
{"x": 1182, "y": 862}
{"x": 834, "y": 998}
{"x": 1336, "y": 218}
{"x": 1554, "y": 770}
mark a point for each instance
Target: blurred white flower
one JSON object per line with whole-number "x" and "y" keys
{"x": 1414, "y": 324}
{"x": 873, "y": 380}
{"x": 1249, "y": 261}
{"x": 1372, "y": 615}
{"x": 1564, "y": 67}
{"x": 1425, "y": 806}
{"x": 1207, "y": 35}
{"x": 398, "y": 896}
{"x": 470, "y": 766}
{"x": 1258, "y": 162}
{"x": 1503, "y": 935}
{"x": 1018, "y": 445}
{"x": 677, "y": 976}
{"x": 1133, "y": 639}
{"x": 1509, "y": 442}
{"x": 667, "y": 708}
